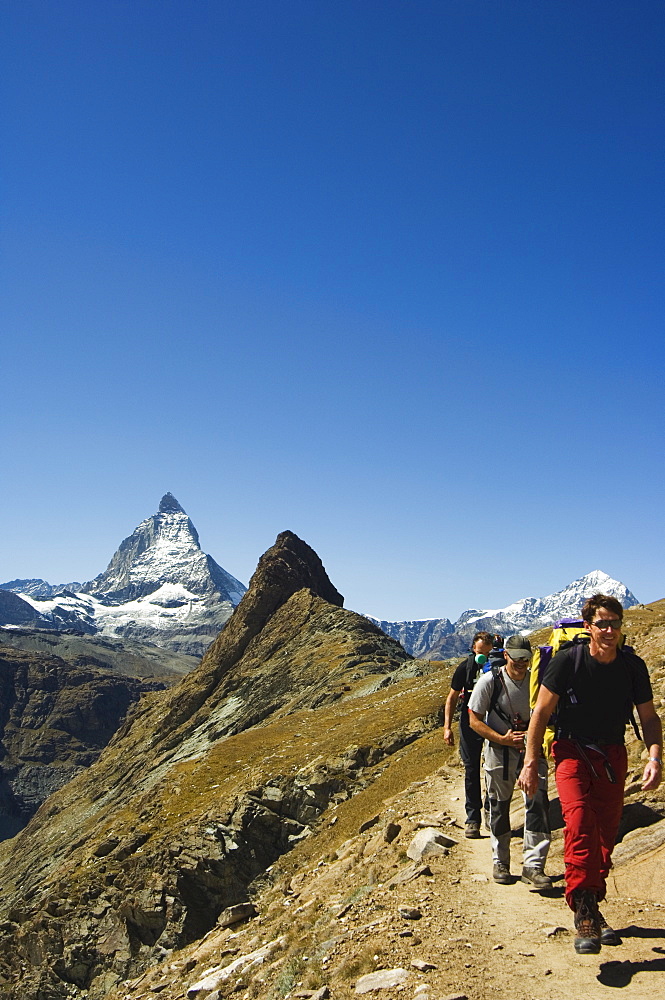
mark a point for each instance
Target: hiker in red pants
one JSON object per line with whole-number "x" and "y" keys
{"x": 594, "y": 691}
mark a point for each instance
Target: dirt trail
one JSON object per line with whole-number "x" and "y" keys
{"x": 528, "y": 962}
{"x": 450, "y": 928}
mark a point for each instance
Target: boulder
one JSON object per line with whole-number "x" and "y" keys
{"x": 428, "y": 843}
{"x": 385, "y": 979}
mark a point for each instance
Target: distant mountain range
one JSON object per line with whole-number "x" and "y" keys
{"x": 159, "y": 587}
{"x": 439, "y": 638}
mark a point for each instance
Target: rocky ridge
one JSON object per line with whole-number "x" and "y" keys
{"x": 159, "y": 587}
{"x": 206, "y": 784}
{"x": 439, "y": 638}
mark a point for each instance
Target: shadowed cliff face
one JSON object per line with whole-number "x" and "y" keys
{"x": 15, "y": 611}
{"x": 54, "y": 721}
{"x": 203, "y": 787}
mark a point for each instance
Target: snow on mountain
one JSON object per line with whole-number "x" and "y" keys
{"x": 537, "y": 612}
{"x": 163, "y": 549}
{"x": 525, "y": 615}
{"x": 168, "y": 606}
{"x": 159, "y": 587}
{"x": 65, "y": 611}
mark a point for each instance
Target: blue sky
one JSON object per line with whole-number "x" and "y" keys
{"x": 387, "y": 274}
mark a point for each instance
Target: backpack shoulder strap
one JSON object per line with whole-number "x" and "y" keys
{"x": 578, "y": 654}
{"x": 470, "y": 675}
{"x": 499, "y": 686}
{"x": 627, "y": 657}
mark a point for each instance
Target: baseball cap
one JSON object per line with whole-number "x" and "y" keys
{"x": 518, "y": 646}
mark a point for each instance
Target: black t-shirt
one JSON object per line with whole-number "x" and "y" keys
{"x": 596, "y": 699}
{"x": 465, "y": 676}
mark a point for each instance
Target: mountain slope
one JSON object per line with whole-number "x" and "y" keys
{"x": 418, "y": 637}
{"x": 206, "y": 785}
{"x": 102, "y": 652}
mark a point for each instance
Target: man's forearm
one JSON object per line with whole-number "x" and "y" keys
{"x": 535, "y": 735}
{"x": 481, "y": 727}
{"x": 449, "y": 711}
{"x": 652, "y": 731}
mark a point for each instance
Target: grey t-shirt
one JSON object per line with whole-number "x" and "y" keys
{"x": 513, "y": 700}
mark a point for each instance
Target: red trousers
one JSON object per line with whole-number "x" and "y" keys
{"x": 591, "y": 805}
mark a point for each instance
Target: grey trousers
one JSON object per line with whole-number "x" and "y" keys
{"x": 502, "y": 768}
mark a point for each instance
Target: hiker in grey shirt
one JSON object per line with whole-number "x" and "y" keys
{"x": 499, "y": 712}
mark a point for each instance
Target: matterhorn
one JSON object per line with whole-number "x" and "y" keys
{"x": 159, "y": 587}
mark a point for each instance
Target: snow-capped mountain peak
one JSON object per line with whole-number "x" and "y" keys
{"x": 531, "y": 613}
{"x": 439, "y": 638}
{"x": 163, "y": 549}
{"x": 159, "y": 587}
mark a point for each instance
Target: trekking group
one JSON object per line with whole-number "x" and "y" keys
{"x": 585, "y": 693}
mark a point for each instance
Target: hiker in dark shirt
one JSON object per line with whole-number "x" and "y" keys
{"x": 594, "y": 693}
{"x": 470, "y": 743}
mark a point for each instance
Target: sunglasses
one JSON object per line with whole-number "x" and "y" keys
{"x": 604, "y": 623}
{"x": 522, "y": 659}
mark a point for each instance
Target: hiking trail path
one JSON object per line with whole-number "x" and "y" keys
{"x": 530, "y": 959}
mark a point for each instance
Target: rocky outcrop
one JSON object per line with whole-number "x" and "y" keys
{"x": 54, "y": 721}
{"x": 206, "y": 785}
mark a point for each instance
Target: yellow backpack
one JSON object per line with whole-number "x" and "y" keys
{"x": 563, "y": 631}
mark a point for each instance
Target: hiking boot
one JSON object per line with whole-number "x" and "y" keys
{"x": 537, "y": 878}
{"x": 501, "y": 873}
{"x": 587, "y": 923}
{"x": 472, "y": 831}
{"x": 607, "y": 934}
